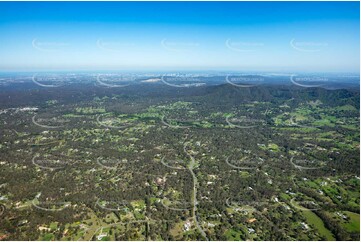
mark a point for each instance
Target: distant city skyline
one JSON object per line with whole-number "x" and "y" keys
{"x": 151, "y": 36}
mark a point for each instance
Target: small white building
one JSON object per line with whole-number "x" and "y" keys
{"x": 187, "y": 225}
{"x": 251, "y": 231}
{"x": 304, "y": 226}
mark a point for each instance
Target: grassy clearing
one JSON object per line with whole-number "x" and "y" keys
{"x": 314, "y": 220}
{"x": 353, "y": 225}
{"x": 233, "y": 235}
{"x": 346, "y": 108}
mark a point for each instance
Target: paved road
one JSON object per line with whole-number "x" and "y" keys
{"x": 195, "y": 201}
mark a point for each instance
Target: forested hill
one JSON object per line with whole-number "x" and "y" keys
{"x": 224, "y": 93}
{"x": 271, "y": 93}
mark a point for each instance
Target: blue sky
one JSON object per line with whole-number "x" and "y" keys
{"x": 244, "y": 36}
